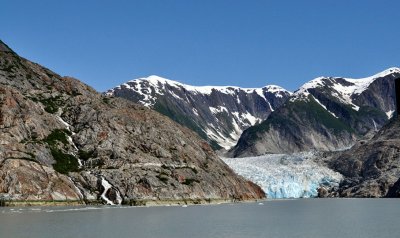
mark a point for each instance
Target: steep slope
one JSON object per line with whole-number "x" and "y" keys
{"x": 371, "y": 168}
{"x": 61, "y": 140}
{"x": 324, "y": 114}
{"x": 217, "y": 114}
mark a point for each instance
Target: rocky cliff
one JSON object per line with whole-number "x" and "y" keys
{"x": 324, "y": 114}
{"x": 61, "y": 140}
{"x": 217, "y": 114}
{"x": 371, "y": 168}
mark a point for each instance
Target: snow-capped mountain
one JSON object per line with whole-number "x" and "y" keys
{"x": 346, "y": 90}
{"x": 327, "y": 113}
{"x": 217, "y": 114}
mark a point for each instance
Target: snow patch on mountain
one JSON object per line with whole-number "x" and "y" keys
{"x": 360, "y": 85}
{"x": 390, "y": 114}
{"x": 222, "y": 140}
{"x": 343, "y": 91}
{"x": 246, "y": 118}
{"x": 286, "y": 176}
{"x": 219, "y": 109}
{"x": 238, "y": 120}
{"x": 195, "y": 111}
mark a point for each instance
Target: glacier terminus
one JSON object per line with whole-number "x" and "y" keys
{"x": 286, "y": 176}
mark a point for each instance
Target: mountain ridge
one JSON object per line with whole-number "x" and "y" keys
{"x": 217, "y": 113}
{"x": 326, "y": 113}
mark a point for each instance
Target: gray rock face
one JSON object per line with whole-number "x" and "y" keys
{"x": 371, "y": 168}
{"x": 60, "y": 139}
{"x": 217, "y": 114}
{"x": 324, "y": 114}
{"x": 22, "y": 179}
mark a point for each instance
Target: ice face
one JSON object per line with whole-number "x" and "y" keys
{"x": 285, "y": 176}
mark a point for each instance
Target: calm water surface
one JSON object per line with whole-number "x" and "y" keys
{"x": 284, "y": 218}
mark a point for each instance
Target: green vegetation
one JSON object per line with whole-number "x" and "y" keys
{"x": 64, "y": 162}
{"x": 52, "y": 104}
{"x": 85, "y": 155}
{"x": 276, "y": 119}
{"x": 371, "y": 112}
{"x": 310, "y": 112}
{"x": 316, "y": 113}
{"x": 106, "y": 100}
{"x": 57, "y": 135}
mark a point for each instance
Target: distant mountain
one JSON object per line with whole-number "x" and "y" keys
{"x": 217, "y": 114}
{"x": 327, "y": 113}
{"x": 371, "y": 168}
{"x": 61, "y": 140}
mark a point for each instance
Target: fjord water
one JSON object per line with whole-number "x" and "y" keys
{"x": 272, "y": 218}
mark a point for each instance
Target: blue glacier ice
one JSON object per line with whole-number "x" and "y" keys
{"x": 286, "y": 176}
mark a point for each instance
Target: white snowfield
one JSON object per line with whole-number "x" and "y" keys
{"x": 285, "y": 176}
{"x": 156, "y": 81}
{"x": 343, "y": 91}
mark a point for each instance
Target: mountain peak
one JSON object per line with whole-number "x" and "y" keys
{"x": 349, "y": 86}
{"x": 156, "y": 79}
{"x": 386, "y": 72}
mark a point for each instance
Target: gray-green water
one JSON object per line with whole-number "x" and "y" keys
{"x": 285, "y": 218}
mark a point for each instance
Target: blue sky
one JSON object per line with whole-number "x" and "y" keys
{"x": 209, "y": 42}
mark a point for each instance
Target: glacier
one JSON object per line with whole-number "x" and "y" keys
{"x": 286, "y": 176}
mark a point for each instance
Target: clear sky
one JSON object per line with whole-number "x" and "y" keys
{"x": 248, "y": 43}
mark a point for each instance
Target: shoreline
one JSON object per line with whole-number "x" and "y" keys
{"x": 155, "y": 203}
{"x": 128, "y": 203}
